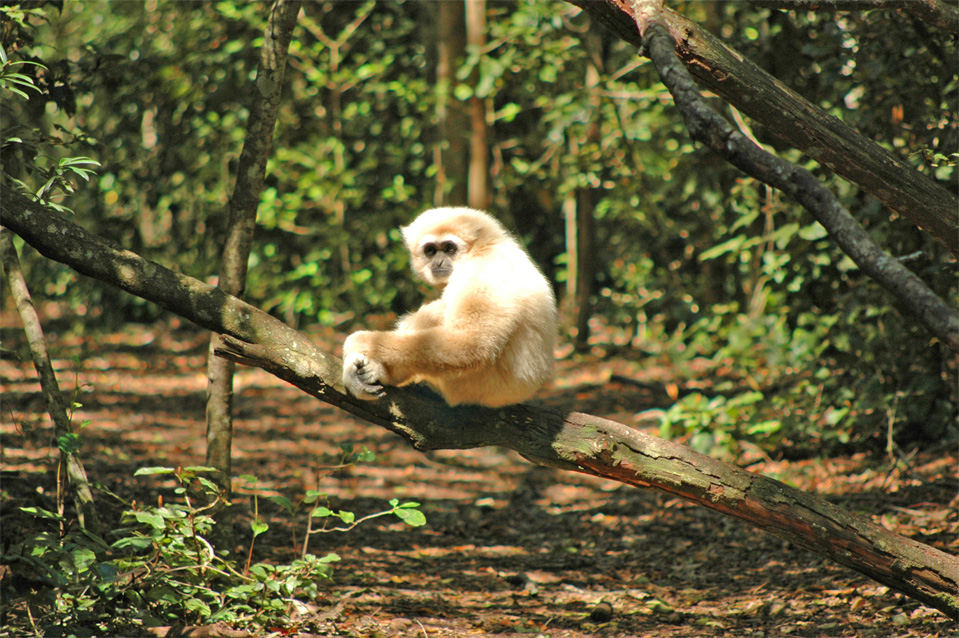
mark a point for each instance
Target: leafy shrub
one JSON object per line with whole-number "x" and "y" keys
{"x": 162, "y": 569}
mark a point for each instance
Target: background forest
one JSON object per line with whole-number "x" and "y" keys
{"x": 662, "y": 254}
{"x": 689, "y": 259}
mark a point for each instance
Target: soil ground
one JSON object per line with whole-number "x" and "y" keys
{"x": 509, "y": 549}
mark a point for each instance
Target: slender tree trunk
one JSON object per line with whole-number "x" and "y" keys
{"x": 75, "y": 478}
{"x": 451, "y": 153}
{"x": 479, "y": 193}
{"x": 239, "y": 238}
{"x": 586, "y": 200}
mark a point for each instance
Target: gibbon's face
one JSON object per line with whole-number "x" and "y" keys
{"x": 435, "y": 258}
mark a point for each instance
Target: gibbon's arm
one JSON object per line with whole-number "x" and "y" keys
{"x": 473, "y": 340}
{"x": 428, "y": 316}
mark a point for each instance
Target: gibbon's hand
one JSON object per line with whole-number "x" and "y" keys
{"x": 361, "y": 376}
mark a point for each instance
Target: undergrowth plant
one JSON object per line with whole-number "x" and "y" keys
{"x": 159, "y": 569}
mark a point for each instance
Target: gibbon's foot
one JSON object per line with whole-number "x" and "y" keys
{"x": 360, "y": 376}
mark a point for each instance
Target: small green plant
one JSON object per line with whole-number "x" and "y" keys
{"x": 160, "y": 568}
{"x": 12, "y": 80}
{"x": 320, "y": 508}
{"x": 57, "y": 175}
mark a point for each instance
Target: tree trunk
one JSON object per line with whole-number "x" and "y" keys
{"x": 264, "y": 105}
{"x": 451, "y": 153}
{"x": 568, "y": 441}
{"x": 586, "y": 197}
{"x": 659, "y": 41}
{"x": 75, "y": 477}
{"x": 478, "y": 187}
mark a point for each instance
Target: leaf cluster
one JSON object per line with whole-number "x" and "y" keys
{"x": 162, "y": 570}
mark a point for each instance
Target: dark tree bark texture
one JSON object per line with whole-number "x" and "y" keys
{"x": 652, "y": 26}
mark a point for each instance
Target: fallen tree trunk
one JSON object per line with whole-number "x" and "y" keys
{"x": 569, "y": 441}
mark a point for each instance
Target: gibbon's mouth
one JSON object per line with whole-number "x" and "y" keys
{"x": 441, "y": 274}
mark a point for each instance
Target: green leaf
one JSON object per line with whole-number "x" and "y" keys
{"x": 39, "y": 512}
{"x": 258, "y": 527}
{"x": 813, "y": 231}
{"x": 196, "y": 605}
{"x": 133, "y": 542}
{"x": 412, "y": 517}
{"x": 313, "y": 496}
{"x": 728, "y": 246}
{"x": 147, "y": 471}
{"x": 282, "y": 501}
{"x": 69, "y": 443}
{"x": 149, "y": 518}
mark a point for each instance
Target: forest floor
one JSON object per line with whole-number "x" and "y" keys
{"x": 509, "y": 549}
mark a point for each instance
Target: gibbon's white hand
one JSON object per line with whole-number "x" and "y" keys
{"x": 360, "y": 376}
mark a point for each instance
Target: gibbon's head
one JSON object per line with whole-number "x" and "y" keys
{"x": 439, "y": 237}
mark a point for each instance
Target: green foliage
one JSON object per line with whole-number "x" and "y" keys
{"x": 161, "y": 568}
{"x": 695, "y": 260}
{"x": 716, "y": 425}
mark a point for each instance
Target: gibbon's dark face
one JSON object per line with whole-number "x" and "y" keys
{"x": 439, "y": 257}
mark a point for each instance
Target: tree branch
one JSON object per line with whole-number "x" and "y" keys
{"x": 706, "y": 126}
{"x": 569, "y": 441}
{"x": 799, "y": 123}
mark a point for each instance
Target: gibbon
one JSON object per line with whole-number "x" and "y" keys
{"x": 487, "y": 340}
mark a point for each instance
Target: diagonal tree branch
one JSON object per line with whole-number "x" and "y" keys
{"x": 799, "y": 123}
{"x": 708, "y": 127}
{"x": 569, "y": 441}
{"x": 75, "y": 474}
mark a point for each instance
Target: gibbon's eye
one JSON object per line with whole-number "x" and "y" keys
{"x": 429, "y": 250}
{"x": 449, "y": 248}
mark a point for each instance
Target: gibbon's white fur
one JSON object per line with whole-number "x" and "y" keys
{"x": 487, "y": 340}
